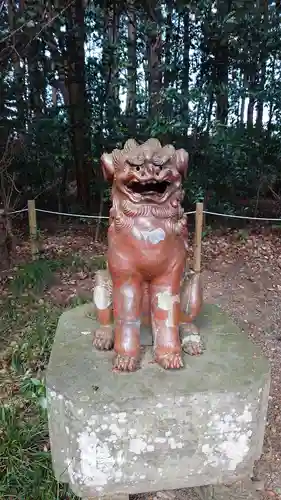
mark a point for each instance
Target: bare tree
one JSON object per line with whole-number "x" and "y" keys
{"x": 9, "y": 195}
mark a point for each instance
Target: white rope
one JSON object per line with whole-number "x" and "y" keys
{"x": 72, "y": 215}
{"x": 242, "y": 216}
{"x": 18, "y": 211}
{"x": 232, "y": 216}
{"x": 86, "y": 216}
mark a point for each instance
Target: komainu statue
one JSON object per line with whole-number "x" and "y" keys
{"x": 145, "y": 282}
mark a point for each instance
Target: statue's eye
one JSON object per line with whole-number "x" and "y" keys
{"x": 137, "y": 169}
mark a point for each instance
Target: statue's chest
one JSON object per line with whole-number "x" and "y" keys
{"x": 146, "y": 246}
{"x": 149, "y": 235}
{"x": 143, "y": 236}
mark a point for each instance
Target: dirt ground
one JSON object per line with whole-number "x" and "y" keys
{"x": 250, "y": 293}
{"x": 246, "y": 282}
{"x": 241, "y": 273}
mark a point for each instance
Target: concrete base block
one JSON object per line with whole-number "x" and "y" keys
{"x": 115, "y": 497}
{"x": 115, "y": 434}
{"x": 238, "y": 491}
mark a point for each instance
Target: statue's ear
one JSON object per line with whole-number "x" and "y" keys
{"x": 182, "y": 161}
{"x": 107, "y": 166}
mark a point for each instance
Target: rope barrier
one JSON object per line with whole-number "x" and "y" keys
{"x": 186, "y": 213}
{"x": 81, "y": 216}
{"x": 72, "y": 215}
{"x": 18, "y": 211}
{"x": 241, "y": 216}
{"x": 87, "y": 216}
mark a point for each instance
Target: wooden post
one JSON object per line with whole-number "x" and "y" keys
{"x": 32, "y": 228}
{"x": 198, "y": 236}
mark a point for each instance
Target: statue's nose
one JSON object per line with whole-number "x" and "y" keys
{"x": 144, "y": 170}
{"x": 141, "y": 170}
{"x": 152, "y": 170}
{"x": 148, "y": 170}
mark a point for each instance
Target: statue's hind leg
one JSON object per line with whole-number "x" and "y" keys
{"x": 191, "y": 304}
{"x": 104, "y": 335}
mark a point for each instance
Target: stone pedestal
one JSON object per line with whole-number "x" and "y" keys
{"x": 153, "y": 429}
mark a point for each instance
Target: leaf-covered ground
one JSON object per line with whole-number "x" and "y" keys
{"x": 241, "y": 271}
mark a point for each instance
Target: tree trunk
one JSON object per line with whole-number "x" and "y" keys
{"x": 111, "y": 68}
{"x": 252, "y": 82}
{"x": 131, "y": 109}
{"x": 78, "y": 105}
{"x": 263, "y": 60}
{"x": 259, "y": 120}
{"x": 36, "y": 79}
{"x": 154, "y": 51}
{"x": 206, "y": 76}
{"x": 168, "y": 108}
{"x": 19, "y": 71}
{"x": 250, "y": 112}
{"x": 243, "y": 98}
{"x": 221, "y": 65}
{"x": 222, "y": 84}
{"x": 210, "y": 111}
{"x": 271, "y": 105}
{"x": 186, "y": 65}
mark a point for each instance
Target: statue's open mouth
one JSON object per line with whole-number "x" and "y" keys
{"x": 144, "y": 188}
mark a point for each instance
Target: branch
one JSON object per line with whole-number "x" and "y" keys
{"x": 2, "y": 6}
{"x": 27, "y": 24}
{"x": 7, "y": 179}
{"x": 50, "y": 22}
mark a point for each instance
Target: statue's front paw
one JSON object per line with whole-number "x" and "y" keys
{"x": 104, "y": 338}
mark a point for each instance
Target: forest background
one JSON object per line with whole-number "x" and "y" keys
{"x": 80, "y": 77}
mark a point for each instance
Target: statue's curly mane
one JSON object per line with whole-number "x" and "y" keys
{"x": 136, "y": 154}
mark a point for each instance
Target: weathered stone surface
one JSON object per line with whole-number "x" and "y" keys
{"x": 154, "y": 429}
{"x": 238, "y": 491}
{"x": 121, "y": 496}
{"x": 243, "y": 490}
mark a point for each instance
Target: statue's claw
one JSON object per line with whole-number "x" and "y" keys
{"x": 170, "y": 361}
{"x": 191, "y": 341}
{"x": 123, "y": 363}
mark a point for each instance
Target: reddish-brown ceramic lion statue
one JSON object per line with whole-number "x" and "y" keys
{"x": 147, "y": 240}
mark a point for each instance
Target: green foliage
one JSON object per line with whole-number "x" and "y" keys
{"x": 32, "y": 350}
{"x": 233, "y": 157}
{"x": 35, "y": 276}
{"x": 25, "y": 458}
{"x": 77, "y": 262}
{"x": 34, "y": 389}
{"x": 206, "y": 231}
{"x": 243, "y": 234}
{"x": 232, "y": 164}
